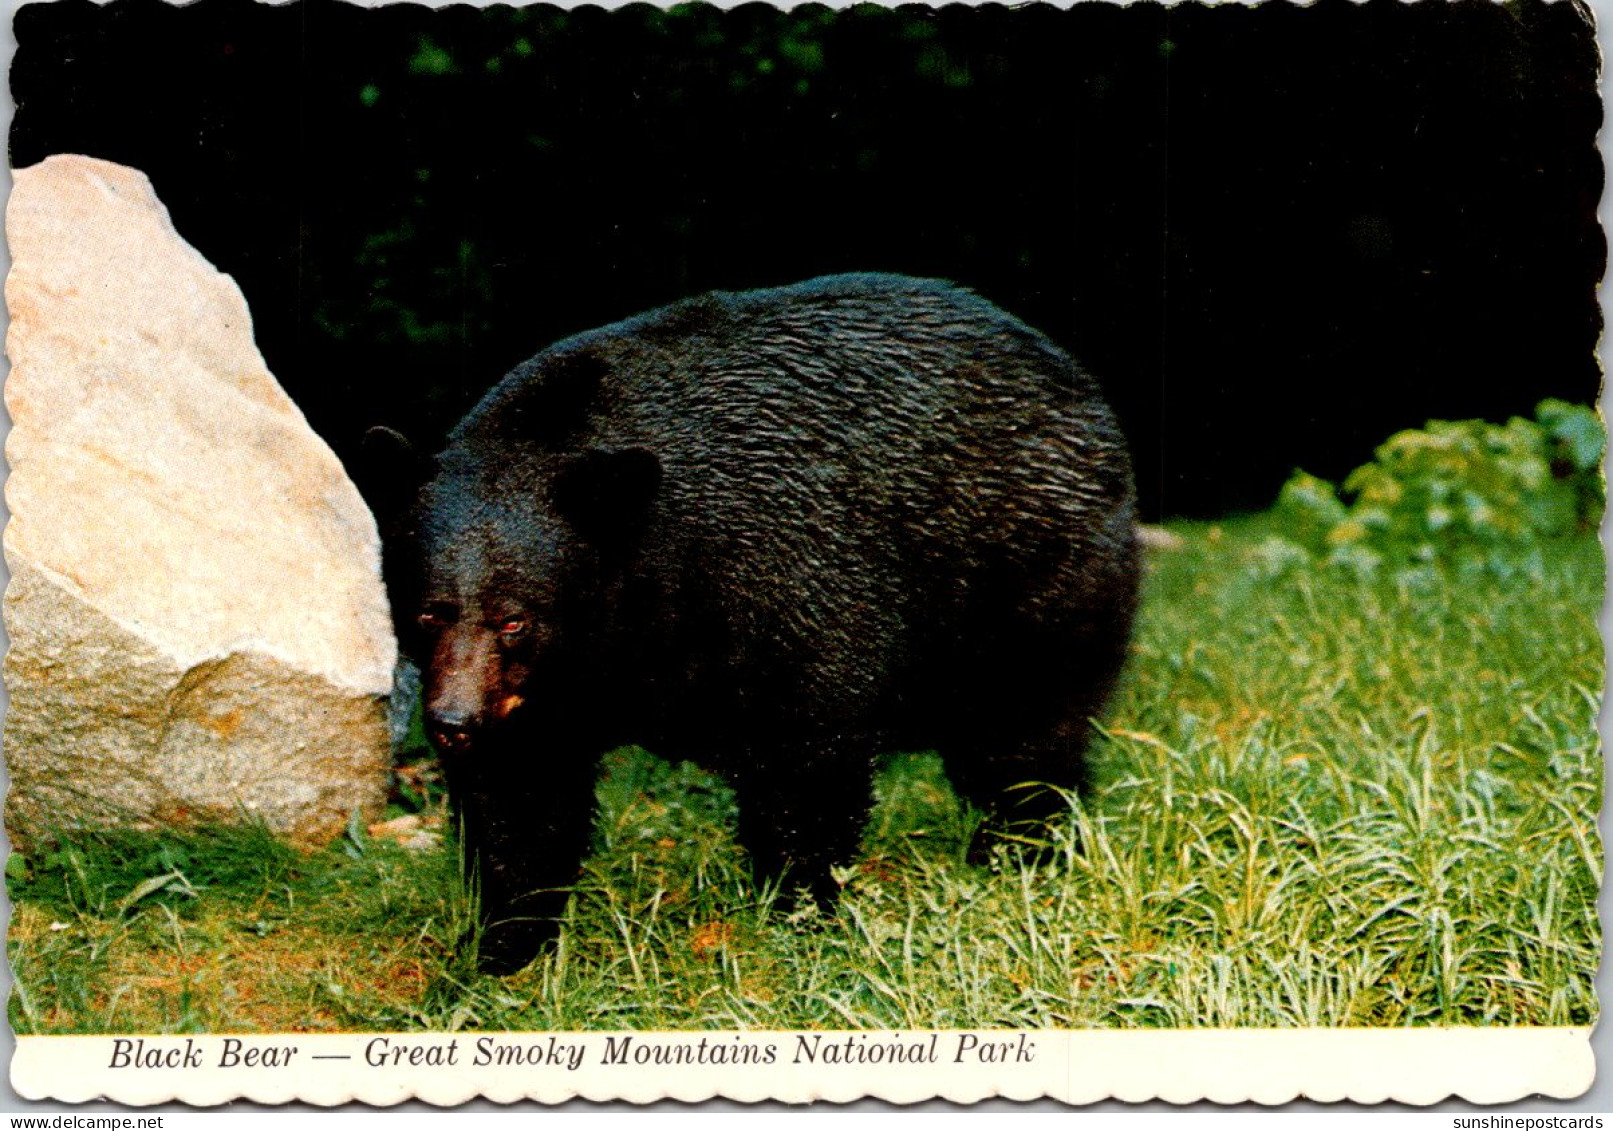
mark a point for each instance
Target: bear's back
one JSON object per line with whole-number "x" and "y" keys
{"x": 868, "y": 382}
{"x": 880, "y": 408}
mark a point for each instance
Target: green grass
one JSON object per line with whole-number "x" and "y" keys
{"x": 1319, "y": 801}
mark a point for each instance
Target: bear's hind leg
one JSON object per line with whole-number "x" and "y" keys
{"x": 805, "y": 813}
{"x": 1017, "y": 742}
{"x": 1022, "y": 782}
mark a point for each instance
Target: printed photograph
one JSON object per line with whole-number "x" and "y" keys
{"x": 893, "y": 519}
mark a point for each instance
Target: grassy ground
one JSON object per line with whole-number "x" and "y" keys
{"x": 1320, "y": 801}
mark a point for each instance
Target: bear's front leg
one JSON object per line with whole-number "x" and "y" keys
{"x": 524, "y": 831}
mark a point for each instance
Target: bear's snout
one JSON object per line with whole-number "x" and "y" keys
{"x": 450, "y": 732}
{"x": 465, "y": 674}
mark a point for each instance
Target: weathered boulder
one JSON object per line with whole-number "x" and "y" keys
{"x": 198, "y": 627}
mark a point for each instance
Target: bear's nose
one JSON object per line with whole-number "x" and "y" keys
{"x": 451, "y": 732}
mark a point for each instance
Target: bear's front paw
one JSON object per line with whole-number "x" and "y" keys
{"x": 508, "y": 947}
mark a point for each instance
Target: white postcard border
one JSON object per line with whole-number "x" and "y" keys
{"x": 1416, "y": 1066}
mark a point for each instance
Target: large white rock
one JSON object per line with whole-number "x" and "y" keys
{"x": 198, "y": 627}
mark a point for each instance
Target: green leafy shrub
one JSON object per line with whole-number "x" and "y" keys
{"x": 1463, "y": 493}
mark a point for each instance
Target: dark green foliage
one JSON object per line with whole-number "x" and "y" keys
{"x": 1465, "y": 494}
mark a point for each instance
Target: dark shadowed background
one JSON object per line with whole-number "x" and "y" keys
{"x": 1276, "y": 235}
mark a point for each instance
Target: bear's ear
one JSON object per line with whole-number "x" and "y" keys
{"x": 389, "y": 474}
{"x": 605, "y": 493}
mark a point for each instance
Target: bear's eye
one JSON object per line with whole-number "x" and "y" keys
{"x": 433, "y": 620}
{"x": 511, "y": 627}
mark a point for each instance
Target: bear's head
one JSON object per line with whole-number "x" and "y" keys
{"x": 504, "y": 573}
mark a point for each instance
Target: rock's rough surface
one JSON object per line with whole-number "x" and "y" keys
{"x": 198, "y": 626}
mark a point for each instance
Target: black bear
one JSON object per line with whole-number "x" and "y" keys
{"x": 775, "y": 532}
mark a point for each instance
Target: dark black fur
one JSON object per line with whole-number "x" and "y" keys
{"x": 776, "y": 532}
